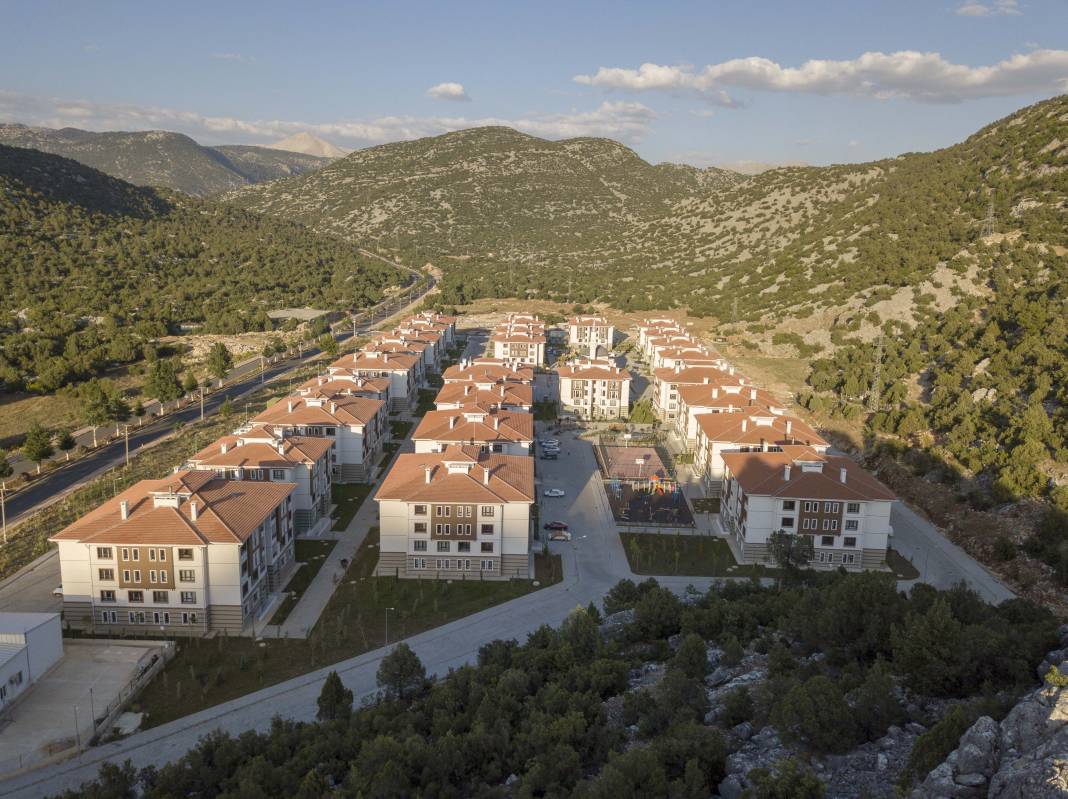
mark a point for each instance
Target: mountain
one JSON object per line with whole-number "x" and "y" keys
{"x": 484, "y": 191}
{"x": 94, "y": 267}
{"x": 309, "y": 144}
{"x": 161, "y": 158}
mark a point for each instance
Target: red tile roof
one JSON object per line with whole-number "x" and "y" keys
{"x": 342, "y": 410}
{"x": 764, "y": 474}
{"x": 461, "y": 426}
{"x": 474, "y": 477}
{"x": 757, "y": 425}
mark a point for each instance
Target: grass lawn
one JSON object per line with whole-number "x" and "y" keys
{"x": 348, "y": 497}
{"x": 686, "y": 556}
{"x": 546, "y": 411}
{"x": 706, "y": 505}
{"x": 399, "y": 430}
{"x": 426, "y": 401}
{"x": 205, "y": 672}
{"x": 311, "y": 555}
{"x": 387, "y": 452}
{"x": 902, "y": 568}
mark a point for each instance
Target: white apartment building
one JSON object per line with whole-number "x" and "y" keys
{"x": 181, "y": 556}
{"x": 435, "y": 321}
{"x": 267, "y": 454}
{"x": 594, "y": 390}
{"x": 804, "y": 492}
{"x": 586, "y": 333}
{"x": 502, "y": 396}
{"x": 667, "y": 382}
{"x": 519, "y": 344}
{"x": 457, "y": 514}
{"x": 702, "y": 398}
{"x": 356, "y": 425}
{"x": 486, "y": 372}
{"x": 341, "y": 382}
{"x": 505, "y": 432}
{"x": 751, "y": 430}
{"x": 406, "y": 371}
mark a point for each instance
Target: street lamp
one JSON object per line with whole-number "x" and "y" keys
{"x": 387, "y": 624}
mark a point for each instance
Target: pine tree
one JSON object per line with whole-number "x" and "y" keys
{"x": 335, "y": 700}
{"x": 37, "y": 446}
{"x": 401, "y": 674}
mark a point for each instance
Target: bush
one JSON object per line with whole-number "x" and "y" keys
{"x": 737, "y": 707}
{"x": 934, "y": 746}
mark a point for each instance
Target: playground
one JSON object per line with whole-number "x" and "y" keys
{"x": 640, "y": 488}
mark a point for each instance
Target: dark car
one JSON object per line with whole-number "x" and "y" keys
{"x": 556, "y": 525}
{"x": 550, "y": 456}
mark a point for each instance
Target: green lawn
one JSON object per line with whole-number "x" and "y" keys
{"x": 399, "y": 430}
{"x": 387, "y": 452}
{"x": 205, "y": 672}
{"x": 311, "y": 555}
{"x": 426, "y": 401}
{"x": 348, "y": 497}
{"x": 546, "y": 411}
{"x": 685, "y": 555}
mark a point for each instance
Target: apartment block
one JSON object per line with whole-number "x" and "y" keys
{"x": 461, "y": 513}
{"x": 586, "y": 334}
{"x": 752, "y": 430}
{"x": 406, "y": 371}
{"x": 521, "y": 338}
{"x": 356, "y": 425}
{"x": 267, "y": 454}
{"x": 402, "y": 345}
{"x": 496, "y": 396}
{"x": 695, "y": 400}
{"x": 594, "y": 390}
{"x": 804, "y": 492}
{"x": 184, "y": 555}
{"x": 341, "y": 382}
{"x": 429, "y": 319}
{"x": 506, "y": 432}
{"x": 486, "y": 372}
{"x": 667, "y": 382}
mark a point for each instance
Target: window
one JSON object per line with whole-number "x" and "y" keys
{"x": 487, "y": 510}
{"x": 464, "y": 564}
{"x": 849, "y": 541}
{"x": 826, "y": 524}
{"x": 443, "y": 563}
{"x": 189, "y": 598}
{"x": 789, "y": 504}
{"x": 163, "y": 555}
{"x": 487, "y": 529}
{"x": 419, "y": 563}
{"x": 160, "y": 597}
{"x": 151, "y": 554}
{"x": 135, "y": 554}
{"x": 137, "y": 575}
{"x": 420, "y": 527}
{"x": 852, "y": 507}
{"x": 185, "y": 554}
{"x": 125, "y": 553}
{"x": 126, "y": 575}
{"x": 107, "y": 596}
{"x": 463, "y": 546}
{"x": 849, "y": 558}
{"x": 827, "y": 541}
{"x": 448, "y": 529}
{"x": 106, "y": 574}
{"x": 278, "y": 474}
{"x": 786, "y": 522}
{"x": 419, "y": 546}
{"x": 108, "y": 617}
{"x": 186, "y": 576}
{"x": 486, "y": 565}
{"x": 151, "y": 574}
{"x": 443, "y": 546}
{"x": 836, "y": 507}
{"x": 135, "y": 596}
{"x": 487, "y": 546}
{"x": 852, "y": 524}
{"x": 104, "y": 553}
{"x": 834, "y": 524}
{"x": 419, "y": 510}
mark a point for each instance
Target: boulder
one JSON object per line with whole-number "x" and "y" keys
{"x": 730, "y": 788}
{"x": 1034, "y": 720}
{"x": 1041, "y": 774}
{"x": 980, "y": 749}
{"x": 614, "y": 625}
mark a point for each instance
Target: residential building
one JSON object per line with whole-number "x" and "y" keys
{"x": 586, "y": 333}
{"x": 505, "y": 396}
{"x": 702, "y": 398}
{"x": 519, "y": 343}
{"x": 400, "y": 345}
{"x": 804, "y": 492}
{"x": 752, "y": 430}
{"x": 357, "y": 425}
{"x": 190, "y": 553}
{"x": 433, "y": 320}
{"x": 341, "y": 382}
{"x": 653, "y": 328}
{"x": 30, "y": 645}
{"x": 666, "y": 384}
{"x": 506, "y": 432}
{"x": 461, "y": 513}
{"x": 266, "y": 453}
{"x": 486, "y": 372}
{"x": 406, "y": 371}
{"x": 594, "y": 390}
{"x": 694, "y": 354}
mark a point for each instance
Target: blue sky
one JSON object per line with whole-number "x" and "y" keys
{"x": 723, "y": 82}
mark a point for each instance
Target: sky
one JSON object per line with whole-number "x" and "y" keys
{"x": 707, "y": 83}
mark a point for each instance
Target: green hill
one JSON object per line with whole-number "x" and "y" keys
{"x": 94, "y": 266}
{"x": 161, "y": 158}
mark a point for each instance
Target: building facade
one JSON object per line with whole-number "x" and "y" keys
{"x": 505, "y": 432}
{"x": 594, "y": 390}
{"x": 586, "y": 333}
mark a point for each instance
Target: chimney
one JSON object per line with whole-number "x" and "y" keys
{"x": 745, "y": 425}
{"x": 333, "y": 407}
{"x": 281, "y": 447}
{"x": 290, "y": 405}
{"x": 467, "y": 389}
{"x": 715, "y": 393}
{"x": 485, "y": 475}
{"x": 789, "y": 426}
{"x": 842, "y": 474}
{"x": 496, "y": 423}
{"x": 193, "y": 510}
{"x": 124, "y": 510}
{"x": 678, "y": 367}
{"x": 452, "y": 422}
{"x": 224, "y": 448}
{"x": 786, "y": 472}
{"x": 730, "y": 370}
{"x": 763, "y": 445}
{"x": 705, "y": 380}
{"x": 752, "y": 394}
{"x": 429, "y": 470}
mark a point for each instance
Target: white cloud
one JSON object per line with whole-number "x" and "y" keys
{"x": 907, "y": 74}
{"x": 449, "y": 91}
{"x": 997, "y": 8}
{"x": 244, "y": 59}
{"x": 627, "y": 121}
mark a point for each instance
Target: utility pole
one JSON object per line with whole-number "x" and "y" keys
{"x": 3, "y": 510}
{"x": 261, "y": 370}
{"x": 126, "y": 434}
{"x": 876, "y": 387}
{"x": 202, "y": 403}
{"x": 387, "y": 624}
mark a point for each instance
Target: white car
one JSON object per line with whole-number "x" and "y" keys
{"x": 560, "y": 535}
{"x": 549, "y": 442}
{"x": 554, "y": 492}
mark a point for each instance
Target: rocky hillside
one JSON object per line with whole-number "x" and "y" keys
{"x": 485, "y": 192}
{"x": 161, "y": 158}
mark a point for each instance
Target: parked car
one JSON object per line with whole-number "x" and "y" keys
{"x": 556, "y": 525}
{"x": 549, "y": 442}
{"x": 554, "y": 492}
{"x": 550, "y": 456}
{"x": 559, "y": 535}
{"x": 57, "y": 592}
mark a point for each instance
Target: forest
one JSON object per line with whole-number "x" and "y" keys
{"x": 562, "y": 715}
{"x": 95, "y": 268}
